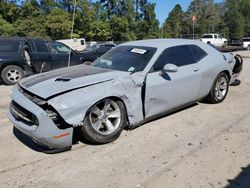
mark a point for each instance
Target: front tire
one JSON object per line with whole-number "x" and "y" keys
{"x": 12, "y": 74}
{"x": 219, "y": 89}
{"x": 104, "y": 121}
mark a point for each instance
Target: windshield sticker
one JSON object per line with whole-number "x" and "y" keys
{"x": 131, "y": 69}
{"x": 138, "y": 51}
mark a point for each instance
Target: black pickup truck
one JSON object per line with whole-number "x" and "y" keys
{"x": 20, "y": 57}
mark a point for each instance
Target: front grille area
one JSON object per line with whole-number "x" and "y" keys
{"x": 52, "y": 113}
{"x": 35, "y": 99}
{"x": 21, "y": 114}
{"x": 57, "y": 119}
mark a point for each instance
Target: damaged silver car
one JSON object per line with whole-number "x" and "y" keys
{"x": 131, "y": 84}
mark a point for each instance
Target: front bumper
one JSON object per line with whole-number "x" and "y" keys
{"x": 46, "y": 133}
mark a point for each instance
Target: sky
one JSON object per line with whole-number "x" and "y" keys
{"x": 163, "y": 7}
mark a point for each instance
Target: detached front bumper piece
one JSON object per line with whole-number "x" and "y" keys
{"x": 34, "y": 122}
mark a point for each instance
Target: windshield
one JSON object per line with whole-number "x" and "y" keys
{"x": 126, "y": 58}
{"x": 246, "y": 39}
{"x": 59, "y": 48}
{"x": 207, "y": 36}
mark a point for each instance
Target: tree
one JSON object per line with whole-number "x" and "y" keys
{"x": 208, "y": 16}
{"x": 6, "y": 29}
{"x": 174, "y": 23}
{"x": 234, "y": 20}
{"x": 120, "y": 29}
{"x": 100, "y": 30}
{"x": 147, "y": 26}
{"x": 244, "y": 8}
{"x": 58, "y": 24}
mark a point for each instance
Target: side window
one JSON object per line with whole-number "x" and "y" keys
{"x": 10, "y": 46}
{"x": 103, "y": 49}
{"x": 59, "y": 48}
{"x": 207, "y": 36}
{"x": 197, "y": 53}
{"x": 41, "y": 46}
{"x": 82, "y": 42}
{"x": 178, "y": 55}
{"x": 215, "y": 36}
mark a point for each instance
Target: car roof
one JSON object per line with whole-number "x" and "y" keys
{"x": 162, "y": 44}
{"x": 22, "y": 38}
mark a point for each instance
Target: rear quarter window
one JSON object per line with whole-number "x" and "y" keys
{"x": 197, "y": 53}
{"x": 10, "y": 46}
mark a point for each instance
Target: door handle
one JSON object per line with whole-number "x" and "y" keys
{"x": 196, "y": 70}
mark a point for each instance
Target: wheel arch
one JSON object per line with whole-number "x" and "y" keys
{"x": 6, "y": 64}
{"x": 115, "y": 98}
{"x": 227, "y": 73}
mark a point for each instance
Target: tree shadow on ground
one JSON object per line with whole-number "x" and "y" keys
{"x": 242, "y": 180}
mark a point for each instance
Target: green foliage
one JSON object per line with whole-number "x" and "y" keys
{"x": 6, "y": 29}
{"x": 58, "y": 24}
{"x": 234, "y": 20}
{"x": 244, "y": 6}
{"x": 174, "y": 23}
{"x": 99, "y": 31}
{"x": 121, "y": 20}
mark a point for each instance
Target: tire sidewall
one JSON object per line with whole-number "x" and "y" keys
{"x": 87, "y": 62}
{"x": 92, "y": 135}
{"x": 5, "y": 72}
{"x": 214, "y": 99}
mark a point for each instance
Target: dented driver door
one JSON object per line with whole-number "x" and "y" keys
{"x": 166, "y": 90}
{"x": 170, "y": 90}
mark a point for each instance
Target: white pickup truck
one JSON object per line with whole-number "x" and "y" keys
{"x": 246, "y": 43}
{"x": 214, "y": 39}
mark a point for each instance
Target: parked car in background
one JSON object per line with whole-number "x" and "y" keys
{"x": 235, "y": 42}
{"x": 129, "y": 85}
{"x": 20, "y": 57}
{"x": 246, "y": 43}
{"x": 93, "y": 52}
{"x": 214, "y": 39}
{"x": 77, "y": 44}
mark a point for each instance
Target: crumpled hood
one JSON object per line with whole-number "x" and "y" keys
{"x": 62, "y": 80}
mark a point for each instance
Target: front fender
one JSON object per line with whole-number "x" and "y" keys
{"x": 74, "y": 105}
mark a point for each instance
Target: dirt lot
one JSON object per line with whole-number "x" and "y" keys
{"x": 201, "y": 146}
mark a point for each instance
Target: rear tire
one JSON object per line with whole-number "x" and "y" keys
{"x": 104, "y": 121}
{"x": 12, "y": 74}
{"x": 87, "y": 62}
{"x": 219, "y": 89}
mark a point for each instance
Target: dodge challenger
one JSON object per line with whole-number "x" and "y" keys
{"x": 133, "y": 83}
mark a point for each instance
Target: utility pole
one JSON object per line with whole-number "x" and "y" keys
{"x": 162, "y": 28}
{"x": 193, "y": 22}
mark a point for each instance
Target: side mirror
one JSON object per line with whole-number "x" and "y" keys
{"x": 170, "y": 68}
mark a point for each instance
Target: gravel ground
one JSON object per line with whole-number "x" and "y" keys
{"x": 201, "y": 146}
